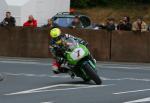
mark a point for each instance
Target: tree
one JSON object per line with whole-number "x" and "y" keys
{"x": 92, "y": 3}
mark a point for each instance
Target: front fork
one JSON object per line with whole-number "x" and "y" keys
{"x": 92, "y": 59}
{"x": 91, "y": 63}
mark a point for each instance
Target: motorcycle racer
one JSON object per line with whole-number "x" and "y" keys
{"x": 58, "y": 49}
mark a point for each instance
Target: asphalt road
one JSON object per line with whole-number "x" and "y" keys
{"x": 31, "y": 81}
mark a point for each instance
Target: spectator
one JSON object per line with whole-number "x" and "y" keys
{"x": 49, "y": 23}
{"x": 8, "y": 20}
{"x": 110, "y": 25}
{"x": 76, "y": 22}
{"x": 120, "y": 26}
{"x": 148, "y": 28}
{"x": 125, "y": 24}
{"x": 139, "y": 25}
{"x": 31, "y": 22}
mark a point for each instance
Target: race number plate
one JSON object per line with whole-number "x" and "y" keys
{"x": 77, "y": 54}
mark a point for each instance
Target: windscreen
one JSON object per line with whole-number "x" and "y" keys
{"x": 64, "y": 21}
{"x": 70, "y": 43}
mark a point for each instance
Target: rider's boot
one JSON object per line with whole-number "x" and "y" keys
{"x": 55, "y": 67}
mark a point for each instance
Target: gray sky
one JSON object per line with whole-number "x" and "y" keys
{"x": 16, "y": 2}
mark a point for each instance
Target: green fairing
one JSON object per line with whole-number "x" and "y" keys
{"x": 70, "y": 59}
{"x": 74, "y": 56}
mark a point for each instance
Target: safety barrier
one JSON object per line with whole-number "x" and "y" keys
{"x": 23, "y": 42}
{"x": 130, "y": 46}
{"x": 105, "y": 46}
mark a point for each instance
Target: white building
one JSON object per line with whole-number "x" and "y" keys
{"x": 40, "y": 9}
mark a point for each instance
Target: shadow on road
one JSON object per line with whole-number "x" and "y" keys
{"x": 74, "y": 82}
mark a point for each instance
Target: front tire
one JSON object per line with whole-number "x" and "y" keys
{"x": 86, "y": 79}
{"x": 92, "y": 74}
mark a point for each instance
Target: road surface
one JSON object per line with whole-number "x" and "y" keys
{"x": 31, "y": 81}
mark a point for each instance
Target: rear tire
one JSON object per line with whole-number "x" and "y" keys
{"x": 92, "y": 74}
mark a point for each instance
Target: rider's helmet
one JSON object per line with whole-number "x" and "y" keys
{"x": 55, "y": 34}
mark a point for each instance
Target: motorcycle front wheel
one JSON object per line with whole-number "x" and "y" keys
{"x": 92, "y": 74}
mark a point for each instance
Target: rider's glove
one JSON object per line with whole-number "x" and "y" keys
{"x": 84, "y": 43}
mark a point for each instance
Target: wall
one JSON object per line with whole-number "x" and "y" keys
{"x": 130, "y": 46}
{"x": 105, "y": 46}
{"x": 23, "y": 42}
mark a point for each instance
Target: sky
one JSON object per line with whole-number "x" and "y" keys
{"x": 16, "y": 2}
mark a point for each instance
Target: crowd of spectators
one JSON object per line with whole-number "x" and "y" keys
{"x": 110, "y": 25}
{"x": 125, "y": 25}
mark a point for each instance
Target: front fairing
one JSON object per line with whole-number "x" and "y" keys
{"x": 76, "y": 54}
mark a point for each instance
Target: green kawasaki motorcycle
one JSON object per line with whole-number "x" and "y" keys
{"x": 79, "y": 61}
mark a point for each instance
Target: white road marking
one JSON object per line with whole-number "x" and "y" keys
{"x": 139, "y": 100}
{"x": 102, "y": 65}
{"x": 134, "y": 91}
{"x": 47, "y": 102}
{"x": 120, "y": 79}
{"x": 67, "y": 76}
{"x": 37, "y": 75}
{"x": 126, "y": 67}
{"x": 25, "y": 62}
{"x": 17, "y": 59}
{"x": 43, "y": 89}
